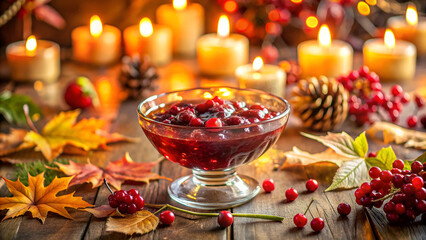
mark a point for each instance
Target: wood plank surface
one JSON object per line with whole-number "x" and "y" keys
{"x": 122, "y": 118}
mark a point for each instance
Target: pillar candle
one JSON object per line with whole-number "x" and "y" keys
{"x": 33, "y": 60}
{"x": 221, "y": 53}
{"x": 147, "y": 39}
{"x": 98, "y": 44}
{"x": 410, "y": 28}
{"x": 391, "y": 60}
{"x": 269, "y": 78}
{"x": 325, "y": 57}
{"x": 186, "y": 22}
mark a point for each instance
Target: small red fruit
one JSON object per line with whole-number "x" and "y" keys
{"x": 398, "y": 163}
{"x": 81, "y": 94}
{"x": 291, "y": 194}
{"x": 167, "y": 217}
{"x": 412, "y": 121}
{"x": 317, "y": 224}
{"x": 312, "y": 185}
{"x": 300, "y": 220}
{"x": 268, "y": 185}
{"x": 344, "y": 209}
{"x": 225, "y": 219}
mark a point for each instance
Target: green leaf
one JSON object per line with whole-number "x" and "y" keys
{"x": 361, "y": 145}
{"x": 341, "y": 143}
{"x": 374, "y": 162}
{"x": 11, "y": 108}
{"x": 350, "y": 175}
{"x": 386, "y": 156}
{"x": 421, "y": 158}
{"x": 37, "y": 167}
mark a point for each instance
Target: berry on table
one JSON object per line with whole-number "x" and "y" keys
{"x": 167, "y": 217}
{"x": 344, "y": 209}
{"x": 419, "y": 101}
{"x": 412, "y": 121}
{"x": 396, "y": 90}
{"x": 291, "y": 194}
{"x": 225, "y": 219}
{"x": 300, "y": 220}
{"x": 126, "y": 201}
{"x": 312, "y": 185}
{"x": 317, "y": 224}
{"x": 268, "y": 185}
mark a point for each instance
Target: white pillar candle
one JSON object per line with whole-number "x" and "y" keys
{"x": 221, "y": 53}
{"x": 34, "y": 60}
{"x": 268, "y": 78}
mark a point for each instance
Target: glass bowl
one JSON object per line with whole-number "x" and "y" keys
{"x": 213, "y": 153}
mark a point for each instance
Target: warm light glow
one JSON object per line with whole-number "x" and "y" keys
{"x": 31, "y": 44}
{"x": 95, "y": 26}
{"x": 363, "y": 8}
{"x": 257, "y": 64}
{"x": 207, "y": 95}
{"x": 296, "y": 1}
{"x": 230, "y": 6}
{"x": 311, "y": 22}
{"x": 145, "y": 27}
{"x": 324, "y": 36}
{"x": 179, "y": 4}
{"x": 223, "y": 26}
{"x": 411, "y": 15}
{"x": 371, "y": 2}
{"x": 389, "y": 39}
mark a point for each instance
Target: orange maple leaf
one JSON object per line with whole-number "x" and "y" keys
{"x": 38, "y": 199}
{"x": 116, "y": 173}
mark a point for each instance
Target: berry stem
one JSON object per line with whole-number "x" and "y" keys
{"x": 248, "y": 215}
{"x": 161, "y": 209}
{"x": 107, "y": 185}
{"x": 28, "y": 118}
{"x": 395, "y": 191}
{"x": 309, "y": 206}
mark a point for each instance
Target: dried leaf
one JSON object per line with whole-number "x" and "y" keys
{"x": 350, "y": 175}
{"x": 102, "y": 211}
{"x": 10, "y": 143}
{"x": 299, "y": 157}
{"x": 141, "y": 222}
{"x": 341, "y": 143}
{"x": 38, "y": 199}
{"x": 116, "y": 173}
{"x": 399, "y": 135}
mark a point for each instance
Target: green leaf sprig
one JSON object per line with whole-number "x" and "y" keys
{"x": 37, "y": 167}
{"x": 11, "y": 108}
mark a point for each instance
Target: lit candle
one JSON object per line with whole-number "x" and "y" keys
{"x": 410, "y": 28}
{"x": 221, "y": 53}
{"x": 269, "y": 78}
{"x": 186, "y": 22}
{"x": 34, "y": 60}
{"x": 147, "y": 39}
{"x": 392, "y": 60}
{"x": 96, "y": 44}
{"x": 325, "y": 57}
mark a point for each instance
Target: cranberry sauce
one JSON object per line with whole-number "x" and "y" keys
{"x": 213, "y": 149}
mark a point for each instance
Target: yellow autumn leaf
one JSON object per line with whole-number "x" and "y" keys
{"x": 64, "y": 130}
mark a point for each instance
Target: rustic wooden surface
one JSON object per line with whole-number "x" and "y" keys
{"x": 180, "y": 74}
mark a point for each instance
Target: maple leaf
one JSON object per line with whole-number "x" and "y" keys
{"x": 399, "y": 135}
{"x": 63, "y": 130}
{"x": 115, "y": 173}
{"x": 141, "y": 222}
{"x": 38, "y": 199}
{"x": 10, "y": 143}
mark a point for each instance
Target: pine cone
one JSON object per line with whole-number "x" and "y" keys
{"x": 320, "y": 103}
{"x": 137, "y": 76}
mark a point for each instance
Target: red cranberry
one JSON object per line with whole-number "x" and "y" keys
{"x": 312, "y": 185}
{"x": 167, "y": 217}
{"x": 396, "y": 90}
{"x": 225, "y": 219}
{"x": 412, "y": 121}
{"x": 386, "y": 176}
{"x": 344, "y": 209}
{"x": 375, "y": 172}
{"x": 268, "y": 185}
{"x": 300, "y": 220}
{"x": 317, "y": 224}
{"x": 419, "y": 101}
{"x": 398, "y": 163}
{"x": 416, "y": 166}
{"x": 213, "y": 122}
{"x": 291, "y": 194}
{"x": 132, "y": 208}
{"x": 196, "y": 122}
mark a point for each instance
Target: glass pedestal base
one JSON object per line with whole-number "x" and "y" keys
{"x": 213, "y": 189}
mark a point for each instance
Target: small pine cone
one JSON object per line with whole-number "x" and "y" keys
{"x": 320, "y": 103}
{"x": 137, "y": 76}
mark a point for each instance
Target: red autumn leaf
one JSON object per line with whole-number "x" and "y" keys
{"x": 116, "y": 173}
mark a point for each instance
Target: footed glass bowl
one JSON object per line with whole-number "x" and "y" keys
{"x": 213, "y": 153}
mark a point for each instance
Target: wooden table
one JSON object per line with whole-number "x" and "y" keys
{"x": 360, "y": 224}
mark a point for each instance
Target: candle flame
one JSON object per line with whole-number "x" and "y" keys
{"x": 31, "y": 44}
{"x": 411, "y": 15}
{"x": 389, "y": 39}
{"x": 179, "y": 4}
{"x": 95, "y": 26}
{"x": 257, "y": 64}
{"x": 324, "y": 36}
{"x": 223, "y": 26}
{"x": 145, "y": 27}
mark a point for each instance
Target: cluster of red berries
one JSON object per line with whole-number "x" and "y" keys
{"x": 406, "y": 187}
{"x": 367, "y": 99}
{"x": 300, "y": 220}
{"x": 126, "y": 201}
